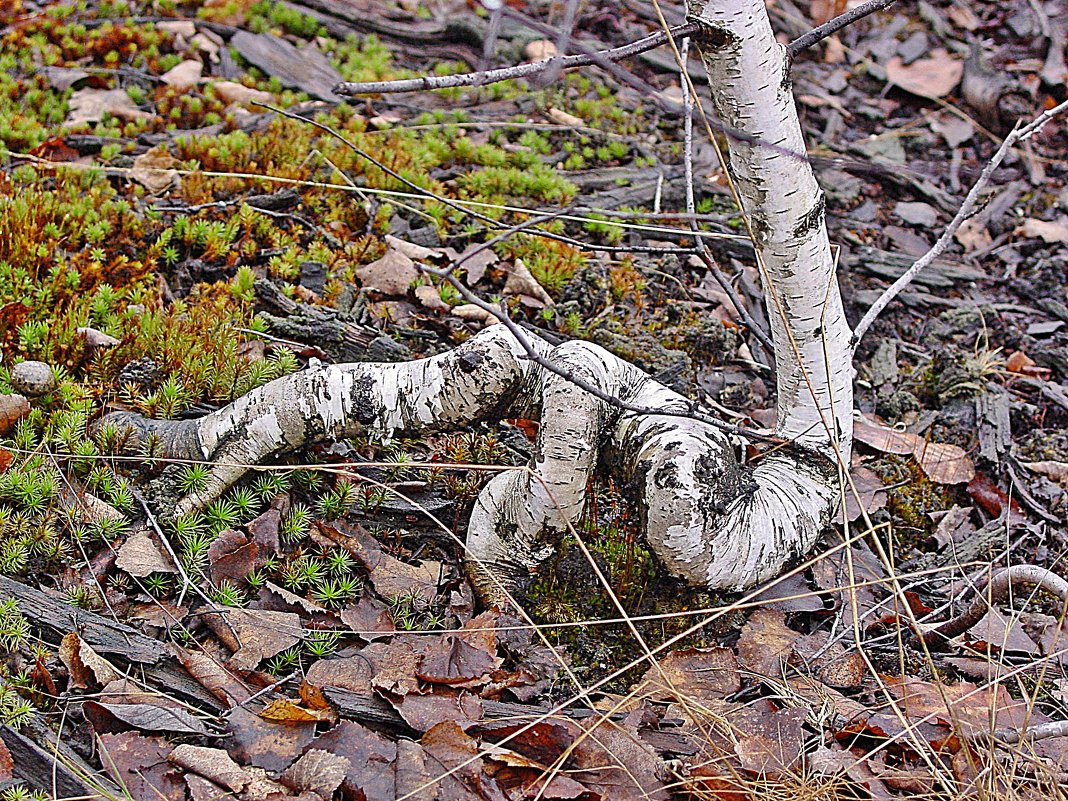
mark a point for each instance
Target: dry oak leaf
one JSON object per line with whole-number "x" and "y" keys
{"x": 390, "y": 275}
{"x": 932, "y": 77}
{"x": 140, "y": 555}
{"x": 84, "y": 664}
{"x": 231, "y": 92}
{"x": 90, "y": 105}
{"x": 154, "y": 170}
{"x": 185, "y": 75}
{"x": 261, "y": 634}
{"x": 616, "y": 763}
{"x": 1050, "y": 231}
{"x": 699, "y": 673}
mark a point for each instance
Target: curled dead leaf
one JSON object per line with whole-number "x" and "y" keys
{"x": 85, "y": 665}
{"x": 284, "y": 710}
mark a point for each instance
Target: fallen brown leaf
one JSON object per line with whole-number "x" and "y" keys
{"x": 264, "y": 743}
{"x": 766, "y": 642}
{"x": 1049, "y": 231}
{"x": 932, "y": 77}
{"x": 141, "y": 555}
{"x": 352, "y": 673}
{"x": 13, "y": 407}
{"x": 369, "y": 618}
{"x": 261, "y": 634}
{"x": 318, "y": 772}
{"x": 283, "y": 710}
{"x": 390, "y": 275}
{"x": 213, "y": 677}
{"x": 944, "y": 463}
{"x": 883, "y": 439}
{"x": 146, "y": 717}
{"x": 184, "y": 75}
{"x": 522, "y": 282}
{"x": 452, "y": 660}
{"x": 90, "y": 105}
{"x": 139, "y": 765}
{"x": 697, "y": 673}
{"x": 231, "y": 92}
{"x": 373, "y": 761}
{"x": 1054, "y": 471}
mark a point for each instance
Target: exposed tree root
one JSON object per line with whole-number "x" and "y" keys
{"x": 712, "y": 521}
{"x": 993, "y": 591}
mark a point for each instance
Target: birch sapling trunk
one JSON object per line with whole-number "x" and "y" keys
{"x": 712, "y": 520}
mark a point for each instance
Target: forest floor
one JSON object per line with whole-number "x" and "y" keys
{"x": 167, "y": 243}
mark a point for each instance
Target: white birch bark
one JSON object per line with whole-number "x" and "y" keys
{"x": 712, "y": 520}
{"x": 749, "y": 71}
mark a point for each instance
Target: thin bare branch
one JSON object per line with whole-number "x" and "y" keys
{"x": 831, "y": 27}
{"x": 452, "y": 204}
{"x": 527, "y": 70}
{"x": 994, "y": 591}
{"x": 557, "y": 63}
{"x": 1018, "y": 134}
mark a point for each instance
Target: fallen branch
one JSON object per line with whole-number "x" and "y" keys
{"x": 615, "y": 54}
{"x": 995, "y": 590}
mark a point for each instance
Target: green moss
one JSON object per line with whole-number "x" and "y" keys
{"x": 913, "y": 497}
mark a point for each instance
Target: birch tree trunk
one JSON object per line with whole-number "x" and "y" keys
{"x": 711, "y": 519}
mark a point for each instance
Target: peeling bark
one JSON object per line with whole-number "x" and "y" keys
{"x": 711, "y": 520}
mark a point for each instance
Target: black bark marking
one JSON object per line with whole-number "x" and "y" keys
{"x": 471, "y": 360}
{"x": 813, "y": 219}
{"x": 364, "y": 406}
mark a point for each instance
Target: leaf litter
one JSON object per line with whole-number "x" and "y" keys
{"x": 379, "y": 691}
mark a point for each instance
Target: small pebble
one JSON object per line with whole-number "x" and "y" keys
{"x": 97, "y": 339}
{"x": 32, "y": 378}
{"x": 12, "y": 409}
